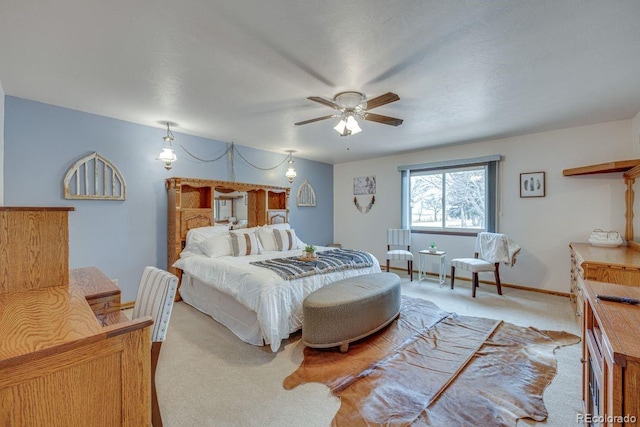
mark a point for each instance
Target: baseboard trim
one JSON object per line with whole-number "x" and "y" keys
{"x": 486, "y": 282}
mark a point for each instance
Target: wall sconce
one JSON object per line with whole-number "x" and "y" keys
{"x": 291, "y": 172}
{"x": 167, "y": 155}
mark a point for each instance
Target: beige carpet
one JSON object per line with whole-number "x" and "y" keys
{"x": 208, "y": 377}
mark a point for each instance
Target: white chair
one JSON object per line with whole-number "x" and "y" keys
{"x": 400, "y": 237}
{"x": 490, "y": 250}
{"x": 155, "y": 298}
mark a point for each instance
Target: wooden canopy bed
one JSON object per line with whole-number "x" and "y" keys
{"x": 249, "y": 293}
{"x": 192, "y": 203}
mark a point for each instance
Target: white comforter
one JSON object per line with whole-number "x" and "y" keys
{"x": 277, "y": 302}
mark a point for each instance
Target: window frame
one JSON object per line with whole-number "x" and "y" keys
{"x": 490, "y": 163}
{"x": 444, "y": 190}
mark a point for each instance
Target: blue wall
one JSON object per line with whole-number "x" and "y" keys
{"x": 121, "y": 237}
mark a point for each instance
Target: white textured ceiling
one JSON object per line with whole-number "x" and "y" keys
{"x": 241, "y": 71}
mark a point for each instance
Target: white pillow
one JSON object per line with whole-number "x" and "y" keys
{"x": 268, "y": 242}
{"x": 216, "y": 246}
{"x": 245, "y": 244}
{"x": 197, "y": 235}
{"x": 279, "y": 226}
{"x": 245, "y": 230}
{"x": 285, "y": 239}
{"x": 249, "y": 231}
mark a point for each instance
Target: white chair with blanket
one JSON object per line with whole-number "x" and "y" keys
{"x": 402, "y": 238}
{"x": 491, "y": 249}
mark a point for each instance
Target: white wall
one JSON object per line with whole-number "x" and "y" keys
{"x": 573, "y": 206}
{"x": 1, "y": 145}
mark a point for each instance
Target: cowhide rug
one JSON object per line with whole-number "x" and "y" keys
{"x": 434, "y": 368}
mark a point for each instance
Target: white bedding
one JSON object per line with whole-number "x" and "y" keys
{"x": 276, "y": 302}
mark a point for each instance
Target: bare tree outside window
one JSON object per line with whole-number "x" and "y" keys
{"x": 449, "y": 199}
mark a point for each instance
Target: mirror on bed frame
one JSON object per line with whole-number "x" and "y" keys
{"x": 194, "y": 202}
{"x": 230, "y": 207}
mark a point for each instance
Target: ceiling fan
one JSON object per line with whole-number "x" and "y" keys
{"x": 352, "y": 104}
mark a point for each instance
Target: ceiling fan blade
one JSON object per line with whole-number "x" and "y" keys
{"x": 383, "y": 119}
{"x": 324, "y": 102}
{"x": 381, "y": 100}
{"x": 317, "y": 119}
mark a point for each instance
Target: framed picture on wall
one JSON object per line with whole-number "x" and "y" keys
{"x": 364, "y": 185}
{"x": 532, "y": 184}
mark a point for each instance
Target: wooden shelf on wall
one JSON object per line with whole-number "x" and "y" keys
{"x": 631, "y": 169}
{"x": 619, "y": 166}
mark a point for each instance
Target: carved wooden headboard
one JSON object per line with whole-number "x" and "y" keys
{"x": 191, "y": 205}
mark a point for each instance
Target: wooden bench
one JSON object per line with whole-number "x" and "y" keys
{"x": 350, "y": 309}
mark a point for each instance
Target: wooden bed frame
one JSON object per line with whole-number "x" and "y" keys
{"x": 191, "y": 205}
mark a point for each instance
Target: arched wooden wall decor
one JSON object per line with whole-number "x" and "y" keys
{"x": 94, "y": 178}
{"x": 306, "y": 196}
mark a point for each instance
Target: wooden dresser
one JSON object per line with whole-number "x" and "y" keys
{"x": 58, "y": 365}
{"x": 100, "y": 292}
{"x": 34, "y": 247}
{"x": 611, "y": 356}
{"x": 611, "y": 265}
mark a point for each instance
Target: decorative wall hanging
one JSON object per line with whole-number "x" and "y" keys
{"x": 364, "y": 209}
{"x": 94, "y": 178}
{"x": 532, "y": 184}
{"x": 364, "y": 185}
{"x": 306, "y": 196}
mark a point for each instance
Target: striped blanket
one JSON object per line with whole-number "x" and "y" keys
{"x": 328, "y": 261}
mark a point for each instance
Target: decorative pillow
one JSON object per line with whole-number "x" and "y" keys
{"x": 267, "y": 240}
{"x": 244, "y": 244}
{"x": 197, "y": 235}
{"x": 253, "y": 230}
{"x": 216, "y": 246}
{"x": 245, "y": 230}
{"x": 285, "y": 239}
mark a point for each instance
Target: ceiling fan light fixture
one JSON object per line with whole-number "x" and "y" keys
{"x": 350, "y": 104}
{"x": 341, "y": 126}
{"x": 352, "y": 125}
{"x": 348, "y": 126}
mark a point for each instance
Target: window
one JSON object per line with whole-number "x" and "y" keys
{"x": 453, "y": 197}
{"x": 449, "y": 199}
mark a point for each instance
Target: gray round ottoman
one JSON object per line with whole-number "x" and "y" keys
{"x": 350, "y": 309}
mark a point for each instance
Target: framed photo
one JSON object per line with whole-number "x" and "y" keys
{"x": 364, "y": 185}
{"x": 532, "y": 184}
